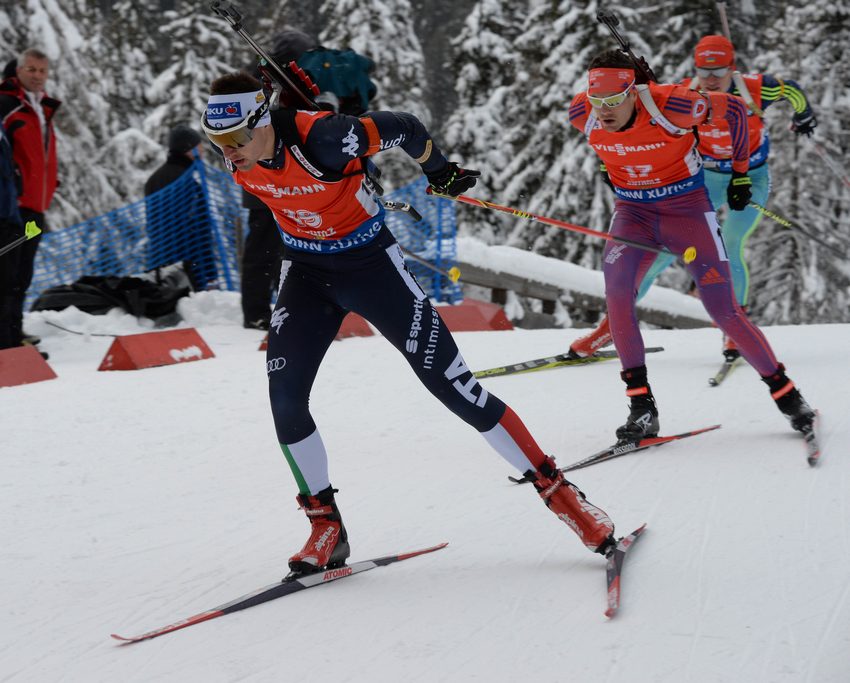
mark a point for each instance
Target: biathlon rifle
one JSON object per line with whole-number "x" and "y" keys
{"x": 644, "y": 71}
{"x": 282, "y": 80}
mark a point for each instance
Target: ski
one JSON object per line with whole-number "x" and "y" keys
{"x": 614, "y": 569}
{"x": 622, "y": 448}
{"x": 278, "y": 590}
{"x": 812, "y": 441}
{"x": 561, "y": 360}
{"x": 723, "y": 372}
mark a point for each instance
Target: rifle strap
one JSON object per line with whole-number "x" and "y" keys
{"x": 657, "y": 117}
{"x": 743, "y": 92}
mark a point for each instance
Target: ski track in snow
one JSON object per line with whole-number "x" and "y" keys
{"x": 175, "y": 499}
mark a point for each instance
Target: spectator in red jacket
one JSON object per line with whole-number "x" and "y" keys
{"x": 27, "y": 114}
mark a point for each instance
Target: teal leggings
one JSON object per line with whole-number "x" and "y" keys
{"x": 736, "y": 229}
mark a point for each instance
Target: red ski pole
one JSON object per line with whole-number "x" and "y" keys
{"x": 689, "y": 255}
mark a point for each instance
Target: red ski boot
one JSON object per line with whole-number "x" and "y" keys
{"x": 593, "y": 526}
{"x": 591, "y": 343}
{"x": 327, "y": 546}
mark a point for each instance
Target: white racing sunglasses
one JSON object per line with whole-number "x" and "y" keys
{"x": 611, "y": 100}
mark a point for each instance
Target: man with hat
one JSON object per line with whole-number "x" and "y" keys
{"x": 339, "y": 256}
{"x": 714, "y": 59}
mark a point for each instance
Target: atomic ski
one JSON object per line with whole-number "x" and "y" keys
{"x": 723, "y": 372}
{"x": 278, "y": 590}
{"x": 615, "y": 568}
{"x": 622, "y": 448}
{"x": 561, "y": 360}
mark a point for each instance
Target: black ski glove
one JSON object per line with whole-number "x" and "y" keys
{"x": 453, "y": 180}
{"x": 804, "y": 124}
{"x": 740, "y": 191}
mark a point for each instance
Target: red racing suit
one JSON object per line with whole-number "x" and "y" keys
{"x": 646, "y": 162}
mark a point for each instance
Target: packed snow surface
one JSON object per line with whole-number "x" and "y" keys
{"x": 129, "y": 500}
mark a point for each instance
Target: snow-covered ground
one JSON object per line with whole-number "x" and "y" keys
{"x": 131, "y": 499}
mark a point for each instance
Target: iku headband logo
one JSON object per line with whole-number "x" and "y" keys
{"x": 224, "y": 110}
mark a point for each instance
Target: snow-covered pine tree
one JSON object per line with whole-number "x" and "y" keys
{"x": 487, "y": 66}
{"x": 383, "y": 31}
{"x": 126, "y": 56}
{"x": 270, "y": 18}
{"x": 794, "y": 278}
{"x": 551, "y": 170}
{"x": 201, "y": 47}
{"x": 83, "y": 123}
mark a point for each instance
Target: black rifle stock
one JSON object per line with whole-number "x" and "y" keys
{"x": 610, "y": 20}
{"x": 268, "y": 66}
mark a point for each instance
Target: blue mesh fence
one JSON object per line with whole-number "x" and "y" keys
{"x": 433, "y": 238}
{"x": 199, "y": 220}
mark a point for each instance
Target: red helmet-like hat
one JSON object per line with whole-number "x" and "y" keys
{"x": 714, "y": 51}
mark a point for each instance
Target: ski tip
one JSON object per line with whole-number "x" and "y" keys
{"x": 424, "y": 551}
{"x": 625, "y": 542}
{"x": 121, "y": 639}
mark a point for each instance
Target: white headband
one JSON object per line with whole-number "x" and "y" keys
{"x": 224, "y": 111}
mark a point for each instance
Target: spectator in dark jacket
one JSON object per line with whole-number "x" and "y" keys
{"x": 178, "y": 221}
{"x": 27, "y": 115}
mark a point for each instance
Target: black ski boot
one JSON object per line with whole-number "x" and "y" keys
{"x": 790, "y": 401}
{"x": 643, "y": 417}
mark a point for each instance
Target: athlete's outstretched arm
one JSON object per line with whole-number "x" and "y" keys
{"x": 335, "y": 140}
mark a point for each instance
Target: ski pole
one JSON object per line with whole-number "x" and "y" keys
{"x": 30, "y": 230}
{"x": 404, "y": 207}
{"x": 833, "y": 165}
{"x": 788, "y": 223}
{"x": 689, "y": 255}
{"x": 452, "y": 273}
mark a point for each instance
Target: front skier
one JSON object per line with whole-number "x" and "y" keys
{"x": 307, "y": 167}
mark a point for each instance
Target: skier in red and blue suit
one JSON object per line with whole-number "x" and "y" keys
{"x": 644, "y": 136}
{"x": 714, "y": 60}
{"x": 339, "y": 256}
